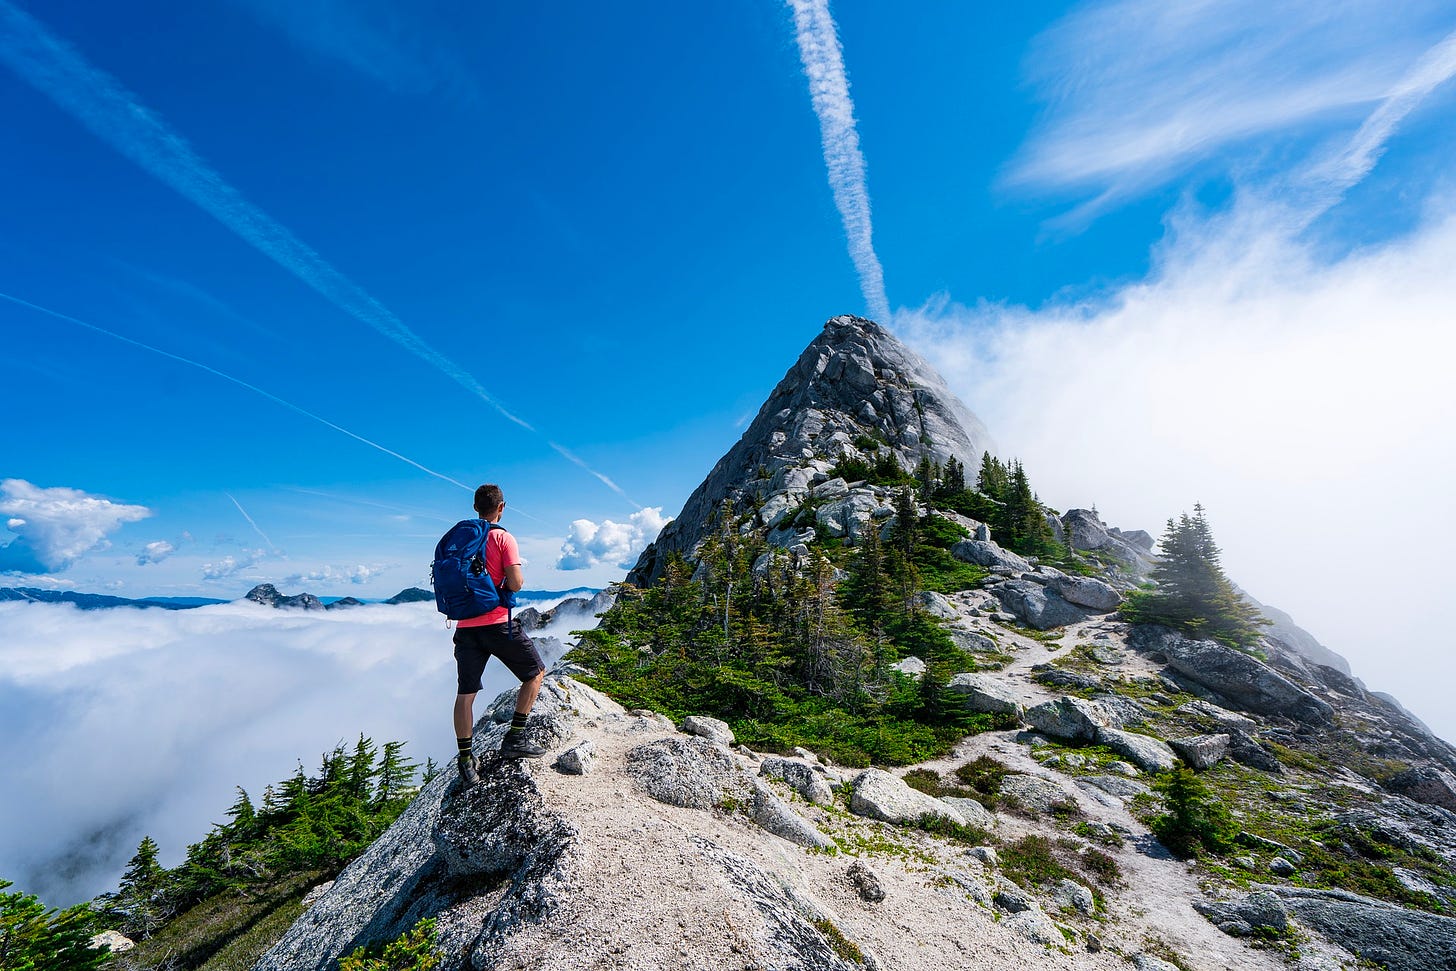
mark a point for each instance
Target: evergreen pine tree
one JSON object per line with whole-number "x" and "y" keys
{"x": 396, "y": 774}
{"x": 360, "y": 772}
{"x": 925, "y": 476}
{"x": 141, "y": 895}
{"x": 1193, "y": 594}
{"x": 955, "y": 477}
{"x": 992, "y": 478}
{"x": 906, "y": 532}
{"x": 887, "y": 468}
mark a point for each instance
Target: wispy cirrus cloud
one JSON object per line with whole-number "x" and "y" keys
{"x": 375, "y": 39}
{"x": 54, "y": 527}
{"x": 1140, "y": 92}
{"x": 823, "y": 61}
{"x": 113, "y": 113}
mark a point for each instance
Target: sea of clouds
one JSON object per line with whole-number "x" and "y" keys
{"x": 122, "y": 723}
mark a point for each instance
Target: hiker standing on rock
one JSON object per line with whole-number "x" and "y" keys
{"x": 492, "y": 633}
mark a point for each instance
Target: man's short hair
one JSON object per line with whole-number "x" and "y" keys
{"x": 488, "y": 499}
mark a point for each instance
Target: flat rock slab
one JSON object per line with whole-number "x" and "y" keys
{"x": 1038, "y": 606}
{"x": 695, "y": 773}
{"x": 877, "y": 794}
{"x": 984, "y": 693}
{"x": 973, "y": 642}
{"x": 975, "y": 814}
{"x": 988, "y": 554}
{"x": 713, "y": 729}
{"x": 1245, "y": 680}
{"x": 1036, "y": 927}
{"x": 1147, "y": 753}
{"x": 691, "y": 772}
{"x": 1036, "y": 793}
{"x": 1086, "y": 592}
{"x": 1201, "y": 751}
{"x": 1114, "y": 785}
{"x": 799, "y": 776}
{"x": 1397, "y": 938}
{"x": 1071, "y": 719}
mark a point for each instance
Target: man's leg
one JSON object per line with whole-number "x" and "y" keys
{"x": 465, "y": 714}
{"x": 519, "y": 654}
{"x": 470, "y": 661}
{"x": 526, "y": 694}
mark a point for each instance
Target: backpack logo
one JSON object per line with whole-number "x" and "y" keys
{"x": 463, "y": 586}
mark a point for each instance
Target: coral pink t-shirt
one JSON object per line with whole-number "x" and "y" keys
{"x": 501, "y": 551}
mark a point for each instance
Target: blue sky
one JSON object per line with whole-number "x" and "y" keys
{"x": 571, "y": 248}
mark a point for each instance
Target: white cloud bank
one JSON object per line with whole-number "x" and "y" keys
{"x": 1307, "y": 403}
{"x": 1297, "y": 387}
{"x": 116, "y": 724}
{"x": 54, "y": 527}
{"x": 590, "y": 544}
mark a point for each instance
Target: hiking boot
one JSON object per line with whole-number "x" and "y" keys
{"x": 467, "y": 764}
{"x": 518, "y": 746}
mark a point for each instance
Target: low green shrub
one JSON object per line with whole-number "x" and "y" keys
{"x": 414, "y": 950}
{"x": 1195, "y": 820}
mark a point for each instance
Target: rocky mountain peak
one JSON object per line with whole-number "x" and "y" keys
{"x": 855, "y": 392}
{"x": 268, "y": 595}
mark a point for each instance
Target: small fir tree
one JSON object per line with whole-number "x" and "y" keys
{"x": 1196, "y": 820}
{"x": 992, "y": 478}
{"x": 141, "y": 897}
{"x": 1193, "y": 595}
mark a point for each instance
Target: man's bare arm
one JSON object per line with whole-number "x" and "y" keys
{"x": 514, "y": 578}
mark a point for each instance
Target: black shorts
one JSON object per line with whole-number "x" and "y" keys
{"x": 475, "y": 645}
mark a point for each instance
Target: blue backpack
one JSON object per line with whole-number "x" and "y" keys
{"x": 463, "y": 587}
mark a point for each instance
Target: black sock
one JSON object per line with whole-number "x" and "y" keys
{"x": 463, "y": 744}
{"x": 518, "y": 721}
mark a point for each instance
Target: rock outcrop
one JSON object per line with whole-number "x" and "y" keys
{"x": 1393, "y": 937}
{"x": 855, "y": 382}
{"x": 1086, "y": 531}
{"x": 268, "y": 595}
{"x": 1243, "y": 679}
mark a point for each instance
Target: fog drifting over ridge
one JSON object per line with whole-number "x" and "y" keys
{"x": 125, "y": 722}
{"x": 1305, "y": 401}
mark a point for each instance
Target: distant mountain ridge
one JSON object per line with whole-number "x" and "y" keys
{"x": 100, "y": 601}
{"x": 265, "y": 593}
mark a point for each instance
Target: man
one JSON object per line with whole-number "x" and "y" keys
{"x": 478, "y": 638}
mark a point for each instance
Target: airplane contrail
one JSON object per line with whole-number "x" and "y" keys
{"x": 251, "y": 523}
{"x": 114, "y": 114}
{"x": 238, "y": 381}
{"x": 823, "y": 61}
{"x": 430, "y": 514}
